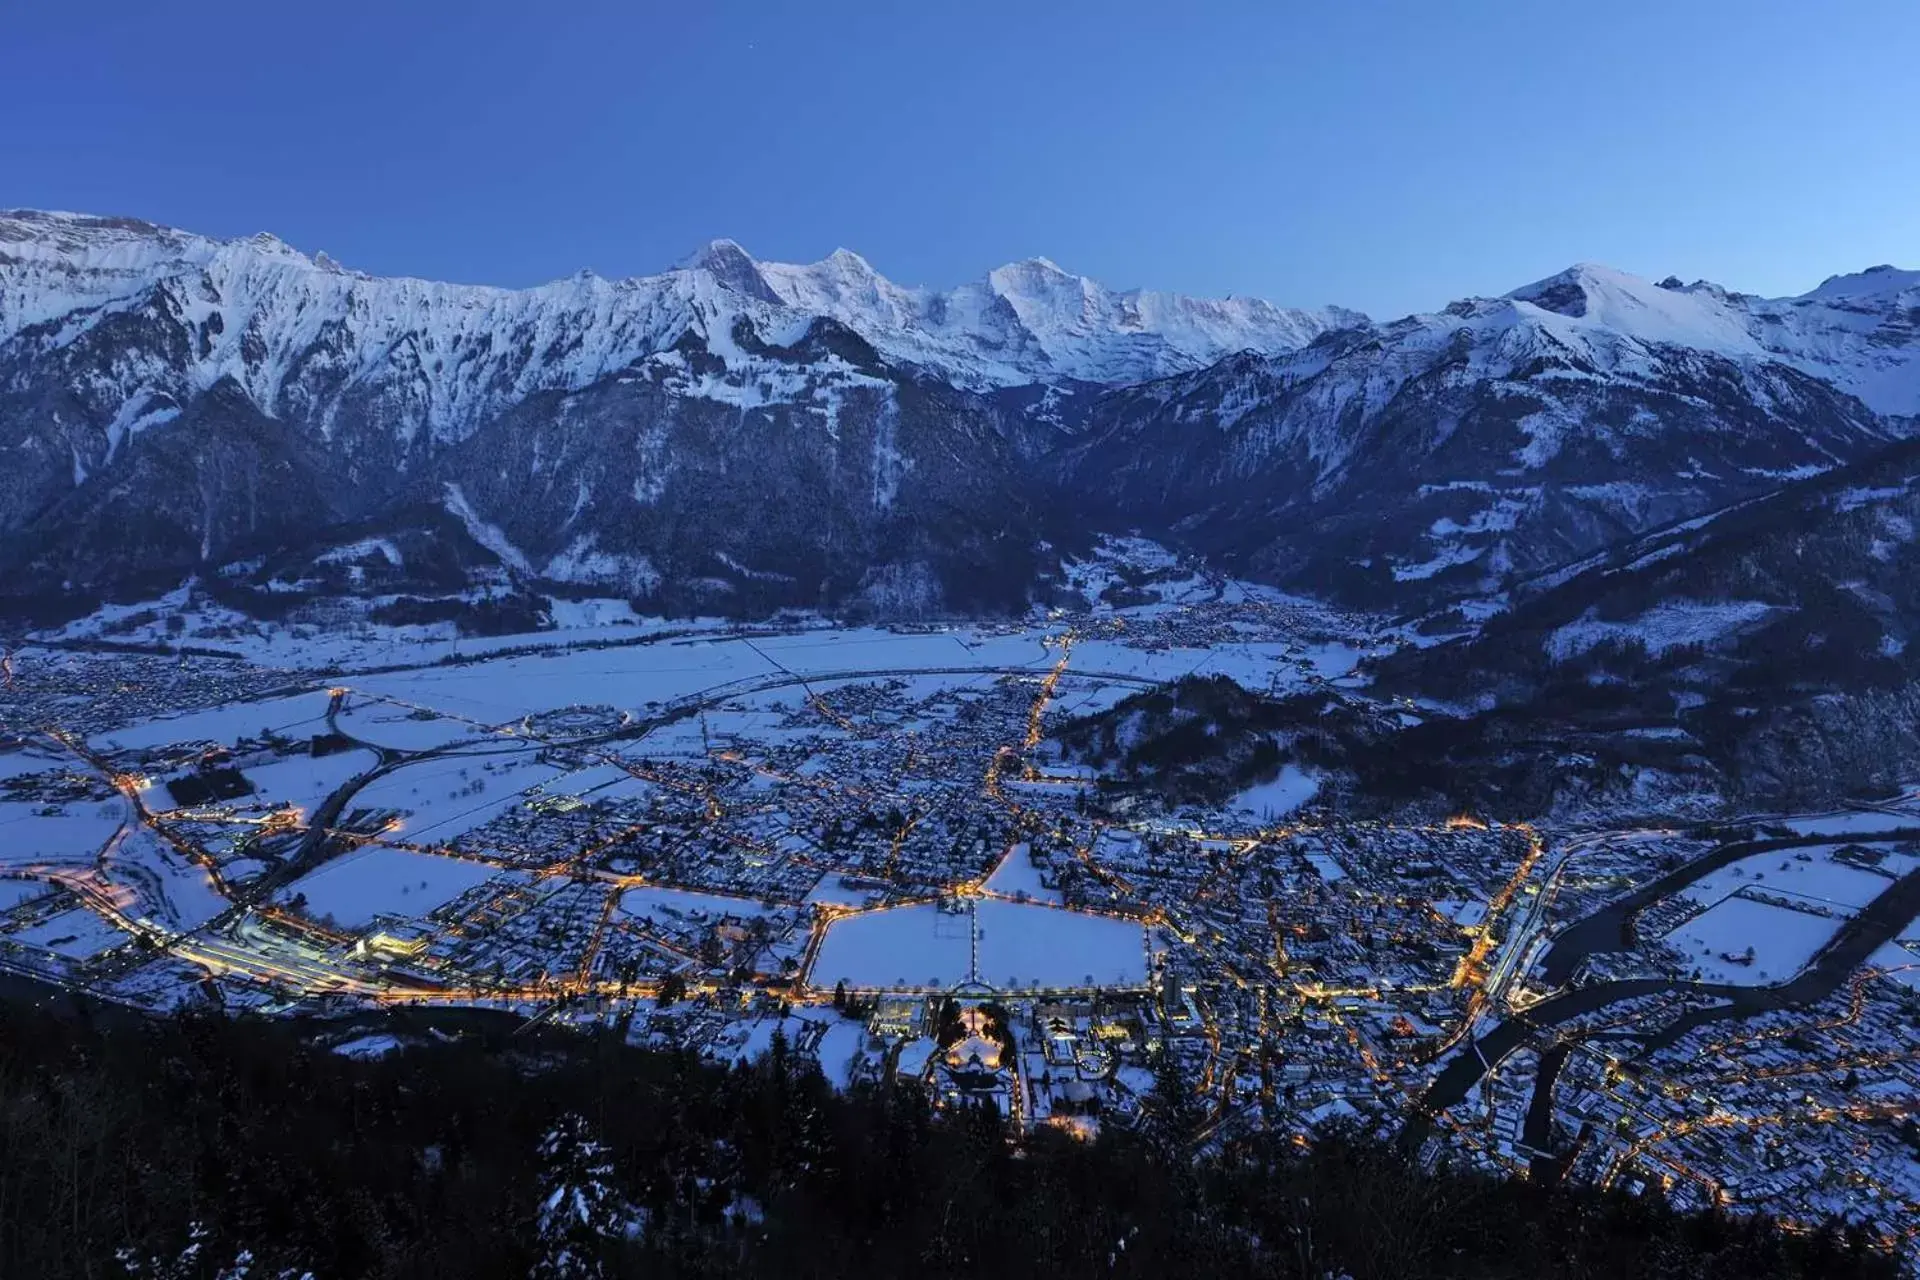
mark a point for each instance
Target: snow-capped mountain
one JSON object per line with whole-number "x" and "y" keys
{"x": 171, "y": 403}
{"x": 297, "y": 392}
{"x": 1860, "y": 332}
{"x": 1033, "y": 322}
{"x": 452, "y": 355}
{"x": 1502, "y": 434}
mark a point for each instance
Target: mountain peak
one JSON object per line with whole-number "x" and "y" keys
{"x": 270, "y": 245}
{"x": 1881, "y": 281}
{"x": 1602, "y": 297}
{"x": 719, "y": 252}
{"x": 1033, "y": 269}
{"x": 1569, "y": 292}
{"x": 730, "y": 265}
{"x": 848, "y": 260}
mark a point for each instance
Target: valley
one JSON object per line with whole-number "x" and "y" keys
{"x": 706, "y": 836}
{"x": 1490, "y": 732}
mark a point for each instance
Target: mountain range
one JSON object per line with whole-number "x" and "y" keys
{"x": 733, "y": 434}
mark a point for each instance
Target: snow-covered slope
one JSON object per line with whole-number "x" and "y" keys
{"x": 1859, "y": 332}
{"x": 1033, "y": 322}
{"x": 1499, "y": 435}
{"x": 257, "y": 307}
{"x": 307, "y": 339}
{"x": 1594, "y": 306}
{"x": 169, "y": 400}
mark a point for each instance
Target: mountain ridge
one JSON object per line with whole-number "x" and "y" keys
{"x": 213, "y": 400}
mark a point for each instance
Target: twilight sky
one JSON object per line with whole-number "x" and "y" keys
{"x": 1389, "y": 155}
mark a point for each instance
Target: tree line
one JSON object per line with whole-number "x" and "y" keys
{"x": 213, "y": 1146}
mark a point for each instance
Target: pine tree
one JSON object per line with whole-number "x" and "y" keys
{"x": 193, "y": 1259}
{"x": 581, "y": 1214}
{"x": 1174, "y": 1110}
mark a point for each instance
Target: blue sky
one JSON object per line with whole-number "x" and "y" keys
{"x": 1389, "y": 156}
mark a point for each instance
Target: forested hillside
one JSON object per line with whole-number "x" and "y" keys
{"x": 209, "y": 1147}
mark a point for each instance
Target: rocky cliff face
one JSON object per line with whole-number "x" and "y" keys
{"x": 770, "y": 434}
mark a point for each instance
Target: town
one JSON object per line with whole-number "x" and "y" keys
{"x": 867, "y": 842}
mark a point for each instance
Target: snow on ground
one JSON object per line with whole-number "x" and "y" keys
{"x": 653, "y": 902}
{"x": 1017, "y": 874}
{"x": 378, "y": 1045}
{"x": 631, "y": 677}
{"x": 913, "y": 1058}
{"x": 1819, "y": 879}
{"x": 361, "y": 644}
{"x": 839, "y": 1049}
{"x": 1072, "y": 699}
{"x": 1258, "y": 666}
{"x": 1329, "y": 868}
{"x": 1783, "y": 941}
{"x": 15, "y": 892}
{"x": 1280, "y": 796}
{"x": 1111, "y": 557}
{"x": 386, "y": 724}
{"x": 746, "y": 1041}
{"x": 77, "y": 934}
{"x": 1666, "y": 626}
{"x": 446, "y": 796}
{"x": 1851, "y": 823}
{"x": 874, "y": 649}
{"x": 14, "y": 764}
{"x": 1448, "y": 557}
{"x": 74, "y": 835}
{"x": 575, "y": 614}
{"x": 835, "y": 891}
{"x": 505, "y": 689}
{"x": 305, "y": 781}
{"x": 299, "y": 715}
{"x": 1020, "y": 944}
{"x": 169, "y": 889}
{"x": 376, "y": 880}
{"x": 1901, "y": 964}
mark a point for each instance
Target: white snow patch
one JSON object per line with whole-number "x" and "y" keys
{"x": 487, "y": 535}
{"x": 1280, "y": 795}
{"x": 1666, "y": 626}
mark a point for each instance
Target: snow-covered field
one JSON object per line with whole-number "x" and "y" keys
{"x": 675, "y": 905}
{"x": 361, "y": 644}
{"x": 1279, "y": 796}
{"x": 834, "y": 890}
{"x": 387, "y": 724}
{"x": 299, "y": 715}
{"x": 14, "y": 764}
{"x": 169, "y": 889}
{"x": 305, "y": 781}
{"x": 1818, "y": 879}
{"x": 1017, "y": 874}
{"x": 77, "y": 934}
{"x": 1329, "y": 868}
{"x": 1782, "y": 941}
{"x": 377, "y": 880}
{"x": 1021, "y": 944}
{"x": 505, "y": 689}
{"x": 1838, "y": 824}
{"x": 449, "y": 795}
{"x": 73, "y": 834}
{"x": 15, "y": 892}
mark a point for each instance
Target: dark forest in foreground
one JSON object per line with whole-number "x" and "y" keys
{"x": 122, "y": 1140}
